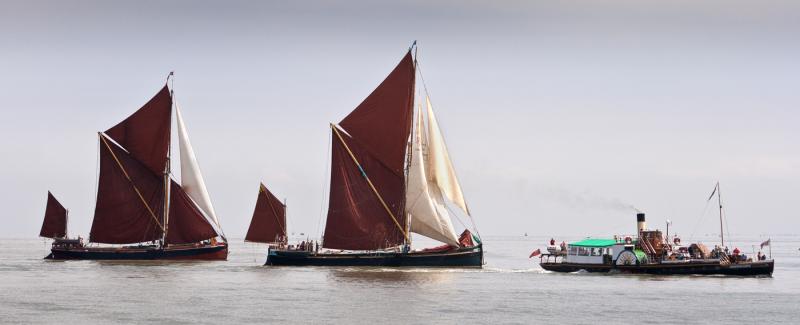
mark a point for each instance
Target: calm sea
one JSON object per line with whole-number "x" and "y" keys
{"x": 510, "y": 289}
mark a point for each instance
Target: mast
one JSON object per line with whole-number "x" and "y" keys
{"x": 719, "y": 200}
{"x": 167, "y": 167}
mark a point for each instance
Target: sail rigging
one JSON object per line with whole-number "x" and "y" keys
{"x": 268, "y": 224}
{"x": 192, "y": 180}
{"x": 55, "y": 219}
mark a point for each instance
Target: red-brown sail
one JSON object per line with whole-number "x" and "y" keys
{"x": 55, "y": 219}
{"x": 357, "y": 219}
{"x": 269, "y": 218}
{"x": 186, "y": 223}
{"x": 382, "y": 122}
{"x": 121, "y": 216}
{"x": 146, "y": 133}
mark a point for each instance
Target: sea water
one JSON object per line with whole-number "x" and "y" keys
{"x": 511, "y": 288}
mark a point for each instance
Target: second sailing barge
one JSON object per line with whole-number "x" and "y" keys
{"x": 391, "y": 175}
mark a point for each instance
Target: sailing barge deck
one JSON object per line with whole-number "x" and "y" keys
{"x": 218, "y": 251}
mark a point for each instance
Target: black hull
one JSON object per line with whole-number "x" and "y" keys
{"x": 704, "y": 268}
{"x": 464, "y": 257}
{"x": 208, "y": 252}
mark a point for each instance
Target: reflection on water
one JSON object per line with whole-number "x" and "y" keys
{"x": 385, "y": 275}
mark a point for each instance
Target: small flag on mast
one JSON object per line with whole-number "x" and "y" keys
{"x": 766, "y": 243}
{"x": 537, "y": 252}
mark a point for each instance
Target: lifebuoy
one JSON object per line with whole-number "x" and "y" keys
{"x": 677, "y": 241}
{"x": 628, "y": 239}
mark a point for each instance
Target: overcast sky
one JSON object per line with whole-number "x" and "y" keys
{"x": 559, "y": 115}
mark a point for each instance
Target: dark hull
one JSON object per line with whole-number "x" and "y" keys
{"x": 699, "y": 268}
{"x": 208, "y": 252}
{"x": 464, "y": 257}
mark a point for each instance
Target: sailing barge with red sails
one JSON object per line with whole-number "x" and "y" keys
{"x": 141, "y": 210}
{"x": 391, "y": 175}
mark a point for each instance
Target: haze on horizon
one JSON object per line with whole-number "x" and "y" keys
{"x": 559, "y": 116}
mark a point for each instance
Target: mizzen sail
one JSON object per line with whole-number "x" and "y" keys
{"x": 268, "y": 224}
{"x": 55, "y": 219}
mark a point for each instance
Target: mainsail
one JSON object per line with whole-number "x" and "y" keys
{"x": 425, "y": 205}
{"x": 191, "y": 178}
{"x": 55, "y": 219}
{"x": 367, "y": 167}
{"x": 269, "y": 218}
{"x": 132, "y": 187}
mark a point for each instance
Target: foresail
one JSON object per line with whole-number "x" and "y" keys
{"x": 186, "y": 223}
{"x": 441, "y": 168}
{"x": 191, "y": 178}
{"x": 424, "y": 205}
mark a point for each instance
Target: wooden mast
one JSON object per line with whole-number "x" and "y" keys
{"x": 719, "y": 200}
{"x": 167, "y": 168}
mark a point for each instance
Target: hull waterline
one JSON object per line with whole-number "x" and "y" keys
{"x": 208, "y": 252}
{"x": 465, "y": 257}
{"x": 705, "y": 268}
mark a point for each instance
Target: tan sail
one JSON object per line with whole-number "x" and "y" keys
{"x": 439, "y": 164}
{"x": 424, "y": 202}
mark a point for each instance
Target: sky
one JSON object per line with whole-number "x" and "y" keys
{"x": 560, "y": 116}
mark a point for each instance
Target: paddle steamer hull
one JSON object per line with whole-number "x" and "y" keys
{"x": 463, "y": 257}
{"x": 207, "y": 252}
{"x": 688, "y": 268}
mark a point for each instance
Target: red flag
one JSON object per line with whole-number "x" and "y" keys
{"x": 537, "y": 252}
{"x": 766, "y": 243}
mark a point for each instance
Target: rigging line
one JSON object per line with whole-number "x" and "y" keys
{"x": 152, "y": 214}
{"x": 374, "y": 190}
{"x": 324, "y": 188}
{"x": 702, "y": 216}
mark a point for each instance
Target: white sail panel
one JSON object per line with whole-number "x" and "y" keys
{"x": 191, "y": 179}
{"x": 439, "y": 164}
{"x": 427, "y": 215}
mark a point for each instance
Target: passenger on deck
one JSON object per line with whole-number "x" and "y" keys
{"x": 552, "y": 242}
{"x": 759, "y": 255}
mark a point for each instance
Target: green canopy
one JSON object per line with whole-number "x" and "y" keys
{"x": 594, "y": 242}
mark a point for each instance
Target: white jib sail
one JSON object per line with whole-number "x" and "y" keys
{"x": 439, "y": 164}
{"x": 424, "y": 202}
{"x": 191, "y": 179}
